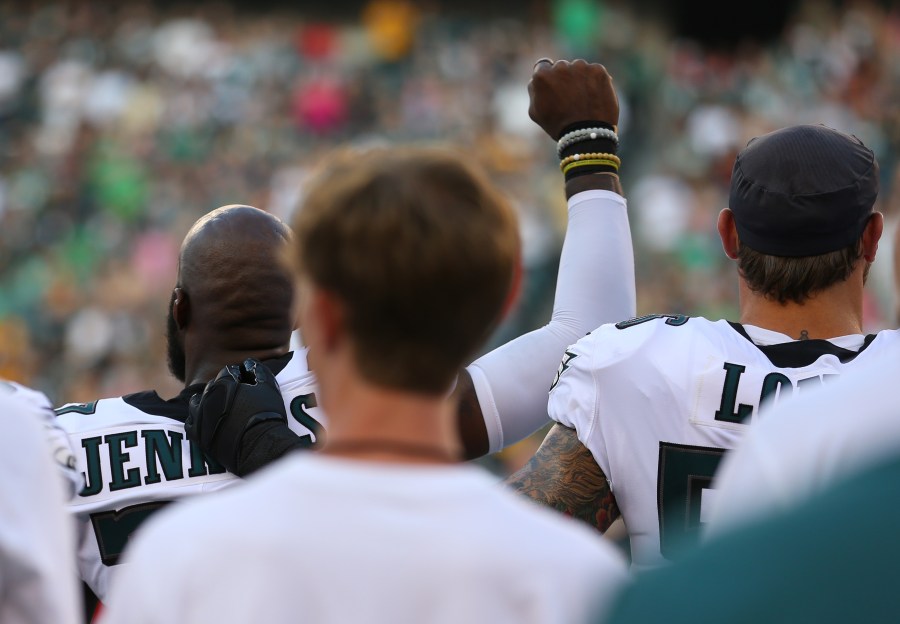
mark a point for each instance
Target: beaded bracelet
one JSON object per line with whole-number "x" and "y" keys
{"x": 590, "y": 146}
{"x": 593, "y": 132}
{"x": 593, "y": 155}
{"x": 604, "y": 162}
{"x": 586, "y": 123}
{"x": 585, "y": 134}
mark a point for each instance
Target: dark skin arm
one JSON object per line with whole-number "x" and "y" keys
{"x": 470, "y": 419}
{"x": 595, "y": 181}
{"x": 564, "y": 476}
{"x": 560, "y": 93}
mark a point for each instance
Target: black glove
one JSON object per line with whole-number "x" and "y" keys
{"x": 239, "y": 398}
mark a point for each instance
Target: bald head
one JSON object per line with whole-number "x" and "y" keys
{"x": 228, "y": 234}
{"x": 234, "y": 292}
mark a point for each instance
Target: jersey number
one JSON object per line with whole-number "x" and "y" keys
{"x": 113, "y": 529}
{"x": 684, "y": 472}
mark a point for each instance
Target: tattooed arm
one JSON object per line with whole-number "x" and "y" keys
{"x": 563, "y": 475}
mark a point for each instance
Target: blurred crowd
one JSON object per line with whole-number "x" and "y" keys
{"x": 121, "y": 123}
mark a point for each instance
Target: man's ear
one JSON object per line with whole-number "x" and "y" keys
{"x": 728, "y": 233}
{"x": 871, "y": 236}
{"x": 321, "y": 316}
{"x": 330, "y": 318}
{"x": 181, "y": 308}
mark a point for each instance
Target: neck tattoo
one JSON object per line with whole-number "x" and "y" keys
{"x": 804, "y": 335}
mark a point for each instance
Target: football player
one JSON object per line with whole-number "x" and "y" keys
{"x": 812, "y": 441}
{"x": 232, "y": 300}
{"x": 646, "y": 408}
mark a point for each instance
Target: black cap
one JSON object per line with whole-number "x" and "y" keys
{"x": 803, "y": 191}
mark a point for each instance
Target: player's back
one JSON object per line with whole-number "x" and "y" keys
{"x": 658, "y": 400}
{"x": 135, "y": 459}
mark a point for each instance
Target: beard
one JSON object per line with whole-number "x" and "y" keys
{"x": 174, "y": 349}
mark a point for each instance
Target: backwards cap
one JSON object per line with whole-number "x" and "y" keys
{"x": 803, "y": 191}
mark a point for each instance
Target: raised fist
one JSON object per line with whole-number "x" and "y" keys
{"x": 563, "y": 93}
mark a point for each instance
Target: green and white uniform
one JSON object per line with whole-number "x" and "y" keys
{"x": 135, "y": 459}
{"x": 658, "y": 400}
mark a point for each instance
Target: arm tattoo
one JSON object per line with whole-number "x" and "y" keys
{"x": 564, "y": 476}
{"x": 469, "y": 418}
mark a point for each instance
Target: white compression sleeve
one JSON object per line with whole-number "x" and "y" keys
{"x": 595, "y": 286}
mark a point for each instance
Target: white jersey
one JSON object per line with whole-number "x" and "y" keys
{"x": 37, "y": 583}
{"x": 806, "y": 444}
{"x": 659, "y": 399}
{"x": 135, "y": 459}
{"x": 338, "y": 540}
{"x": 60, "y": 450}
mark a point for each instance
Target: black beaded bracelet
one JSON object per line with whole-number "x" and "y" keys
{"x": 598, "y": 145}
